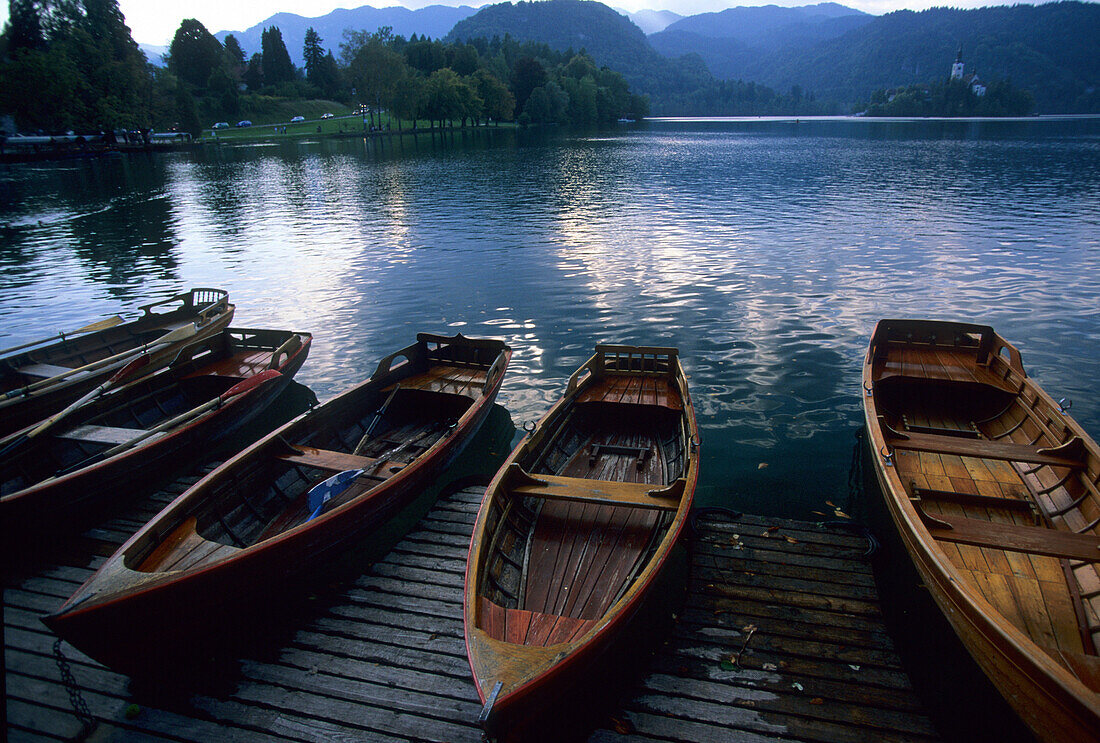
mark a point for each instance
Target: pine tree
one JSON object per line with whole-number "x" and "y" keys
{"x": 277, "y": 66}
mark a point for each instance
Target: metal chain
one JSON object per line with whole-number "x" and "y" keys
{"x": 855, "y": 472}
{"x": 88, "y": 723}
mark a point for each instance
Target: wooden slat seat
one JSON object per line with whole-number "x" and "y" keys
{"x": 106, "y": 435}
{"x": 634, "y": 390}
{"x": 941, "y": 364}
{"x": 327, "y": 459}
{"x": 1067, "y": 455}
{"x": 632, "y": 494}
{"x": 43, "y": 371}
{"x": 972, "y": 499}
{"x": 1036, "y": 540}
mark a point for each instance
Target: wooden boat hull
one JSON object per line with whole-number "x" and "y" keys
{"x": 208, "y": 309}
{"x": 995, "y": 512}
{"x": 34, "y": 497}
{"x": 574, "y": 530}
{"x": 183, "y": 583}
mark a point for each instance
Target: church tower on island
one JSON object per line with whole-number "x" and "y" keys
{"x": 957, "y": 68}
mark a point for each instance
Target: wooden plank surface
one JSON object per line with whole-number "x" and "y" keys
{"x": 382, "y": 658}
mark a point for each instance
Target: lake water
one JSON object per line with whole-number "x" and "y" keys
{"x": 764, "y": 249}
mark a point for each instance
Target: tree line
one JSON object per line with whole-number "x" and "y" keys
{"x": 73, "y": 65}
{"x": 951, "y": 98}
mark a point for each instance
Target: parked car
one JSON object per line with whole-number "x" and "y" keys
{"x": 244, "y": 123}
{"x": 221, "y": 125}
{"x": 326, "y": 116}
{"x": 296, "y": 119}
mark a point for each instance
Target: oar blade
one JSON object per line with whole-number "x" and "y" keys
{"x": 323, "y": 492}
{"x": 94, "y": 327}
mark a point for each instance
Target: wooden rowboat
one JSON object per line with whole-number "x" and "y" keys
{"x": 575, "y": 527}
{"x": 38, "y": 379}
{"x": 114, "y": 445}
{"x": 233, "y": 541}
{"x": 993, "y": 488}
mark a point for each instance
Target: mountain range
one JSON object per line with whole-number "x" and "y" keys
{"x": 828, "y": 51}
{"x": 432, "y": 20}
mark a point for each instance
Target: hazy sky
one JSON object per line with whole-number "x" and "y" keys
{"x": 155, "y": 21}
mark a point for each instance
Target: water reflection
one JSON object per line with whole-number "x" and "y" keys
{"x": 765, "y": 250}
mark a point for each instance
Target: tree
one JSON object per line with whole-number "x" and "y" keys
{"x": 24, "y": 29}
{"x": 498, "y": 102}
{"x": 373, "y": 67}
{"x": 409, "y": 98}
{"x": 527, "y": 75}
{"x": 253, "y": 75}
{"x": 313, "y": 53}
{"x": 443, "y": 99}
{"x": 194, "y": 53}
{"x": 277, "y": 67}
{"x": 234, "y": 56}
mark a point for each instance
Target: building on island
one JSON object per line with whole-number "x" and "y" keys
{"x": 958, "y": 72}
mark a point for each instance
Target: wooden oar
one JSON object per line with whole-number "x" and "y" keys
{"x": 122, "y": 374}
{"x": 110, "y": 322}
{"x": 238, "y": 389}
{"x": 374, "y": 423}
{"x": 172, "y": 336}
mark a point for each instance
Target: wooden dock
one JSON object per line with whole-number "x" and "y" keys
{"x": 780, "y": 637}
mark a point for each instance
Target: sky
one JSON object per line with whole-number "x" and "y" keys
{"x": 155, "y": 21}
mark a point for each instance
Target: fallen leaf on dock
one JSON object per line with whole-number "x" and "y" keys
{"x": 817, "y": 700}
{"x": 762, "y": 465}
{"x": 792, "y": 540}
{"x": 770, "y": 667}
{"x": 622, "y": 727}
{"x": 797, "y": 686}
{"x": 841, "y": 514}
{"x": 853, "y": 666}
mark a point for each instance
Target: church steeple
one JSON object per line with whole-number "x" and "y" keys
{"x": 957, "y": 68}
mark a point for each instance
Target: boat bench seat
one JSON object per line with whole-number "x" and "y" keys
{"x": 43, "y": 371}
{"x": 607, "y": 492}
{"x": 1070, "y": 454}
{"x": 106, "y": 435}
{"x": 338, "y": 461}
{"x": 327, "y": 459}
{"x": 1035, "y": 540}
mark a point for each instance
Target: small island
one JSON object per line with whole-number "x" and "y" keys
{"x": 962, "y": 94}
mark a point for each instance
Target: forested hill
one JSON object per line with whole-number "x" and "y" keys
{"x": 608, "y": 37}
{"x": 1050, "y": 50}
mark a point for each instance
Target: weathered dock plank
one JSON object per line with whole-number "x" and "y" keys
{"x": 780, "y": 636}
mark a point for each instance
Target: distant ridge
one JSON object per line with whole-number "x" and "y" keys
{"x": 652, "y": 21}
{"x": 731, "y": 41}
{"x": 433, "y": 20}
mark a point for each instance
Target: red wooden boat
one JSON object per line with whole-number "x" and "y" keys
{"x": 574, "y": 529}
{"x": 284, "y": 506}
{"x": 37, "y": 379}
{"x": 115, "y": 445}
{"x": 993, "y": 488}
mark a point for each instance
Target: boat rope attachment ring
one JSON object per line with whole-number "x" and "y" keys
{"x": 529, "y": 426}
{"x": 887, "y": 456}
{"x": 1064, "y": 405}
